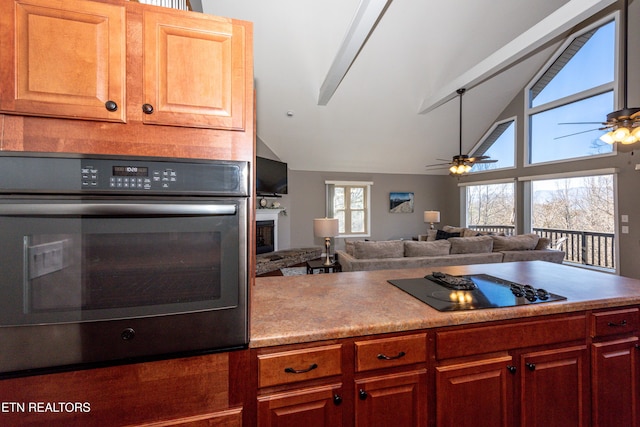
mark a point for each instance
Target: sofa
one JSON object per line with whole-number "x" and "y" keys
{"x": 446, "y": 250}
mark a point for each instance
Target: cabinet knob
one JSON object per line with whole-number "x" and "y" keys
{"x": 530, "y": 366}
{"x": 362, "y": 394}
{"x": 147, "y": 108}
{"x": 337, "y": 400}
{"x": 111, "y": 106}
{"x": 512, "y": 369}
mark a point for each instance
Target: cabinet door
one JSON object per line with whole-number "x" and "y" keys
{"x": 554, "y": 388}
{"x": 392, "y": 400}
{"x": 475, "y": 394}
{"x": 313, "y": 407}
{"x": 614, "y": 383}
{"x": 194, "y": 70}
{"x": 63, "y": 59}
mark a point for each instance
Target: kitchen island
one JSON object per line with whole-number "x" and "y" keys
{"x": 357, "y": 349}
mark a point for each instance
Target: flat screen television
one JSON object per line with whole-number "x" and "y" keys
{"x": 271, "y": 177}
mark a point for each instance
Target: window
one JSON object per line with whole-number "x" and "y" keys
{"x": 570, "y": 98}
{"x": 580, "y": 211}
{"x": 349, "y": 201}
{"x": 499, "y": 144}
{"x": 491, "y": 207}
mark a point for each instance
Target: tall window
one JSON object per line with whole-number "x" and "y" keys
{"x": 569, "y": 99}
{"x": 499, "y": 144}
{"x": 349, "y": 201}
{"x": 491, "y": 207}
{"x": 580, "y": 212}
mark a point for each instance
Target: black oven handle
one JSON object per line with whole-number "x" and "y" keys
{"x": 116, "y": 209}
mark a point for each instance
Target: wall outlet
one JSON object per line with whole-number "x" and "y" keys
{"x": 45, "y": 258}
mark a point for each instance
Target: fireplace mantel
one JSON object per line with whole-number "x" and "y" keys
{"x": 270, "y": 214}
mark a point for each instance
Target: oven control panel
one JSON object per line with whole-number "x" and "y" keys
{"x": 128, "y": 177}
{"x": 42, "y": 173}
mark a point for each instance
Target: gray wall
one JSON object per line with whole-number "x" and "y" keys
{"x": 307, "y": 201}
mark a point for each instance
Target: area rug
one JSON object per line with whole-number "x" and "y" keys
{"x": 293, "y": 271}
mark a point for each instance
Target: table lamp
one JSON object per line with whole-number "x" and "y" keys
{"x": 431, "y": 217}
{"x": 327, "y": 228}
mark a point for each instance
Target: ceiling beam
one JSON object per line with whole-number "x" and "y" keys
{"x": 560, "y": 21}
{"x": 368, "y": 14}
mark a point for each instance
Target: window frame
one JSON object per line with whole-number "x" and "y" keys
{"x": 613, "y": 86}
{"x": 528, "y": 203}
{"x": 495, "y": 125}
{"x": 463, "y": 198}
{"x": 330, "y": 213}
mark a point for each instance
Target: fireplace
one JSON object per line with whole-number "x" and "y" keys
{"x": 265, "y": 236}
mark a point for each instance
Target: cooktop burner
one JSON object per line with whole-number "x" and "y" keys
{"x": 471, "y": 292}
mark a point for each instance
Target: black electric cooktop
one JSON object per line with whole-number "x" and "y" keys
{"x": 477, "y": 292}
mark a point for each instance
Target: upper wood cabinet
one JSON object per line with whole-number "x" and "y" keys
{"x": 194, "y": 71}
{"x": 95, "y": 60}
{"x": 63, "y": 59}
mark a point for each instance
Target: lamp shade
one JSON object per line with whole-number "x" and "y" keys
{"x": 431, "y": 216}
{"x": 325, "y": 227}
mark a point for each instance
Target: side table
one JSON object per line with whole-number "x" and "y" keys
{"x": 318, "y": 264}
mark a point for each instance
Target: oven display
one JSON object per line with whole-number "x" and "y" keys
{"x": 130, "y": 171}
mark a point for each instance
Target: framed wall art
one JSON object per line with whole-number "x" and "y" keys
{"x": 400, "y": 202}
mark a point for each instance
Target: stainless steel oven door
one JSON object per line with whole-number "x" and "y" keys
{"x": 91, "y": 279}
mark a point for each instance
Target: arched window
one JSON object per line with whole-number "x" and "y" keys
{"x": 568, "y": 100}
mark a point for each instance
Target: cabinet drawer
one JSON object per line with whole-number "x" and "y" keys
{"x": 299, "y": 365}
{"x": 614, "y": 322}
{"x": 501, "y": 337}
{"x": 389, "y": 352}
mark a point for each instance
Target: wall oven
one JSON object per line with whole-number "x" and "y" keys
{"x": 119, "y": 259}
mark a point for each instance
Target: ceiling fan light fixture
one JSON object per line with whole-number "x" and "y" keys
{"x": 622, "y": 122}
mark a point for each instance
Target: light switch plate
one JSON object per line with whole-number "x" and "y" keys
{"x": 625, "y": 229}
{"x": 624, "y": 218}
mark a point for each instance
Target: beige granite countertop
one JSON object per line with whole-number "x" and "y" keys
{"x": 299, "y": 309}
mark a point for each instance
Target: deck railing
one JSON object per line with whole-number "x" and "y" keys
{"x": 583, "y": 247}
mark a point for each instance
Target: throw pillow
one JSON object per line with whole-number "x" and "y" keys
{"x": 521, "y": 242}
{"x": 383, "y": 249}
{"x": 543, "y": 243}
{"x": 436, "y": 248}
{"x": 471, "y": 245}
{"x": 441, "y": 234}
{"x": 348, "y": 247}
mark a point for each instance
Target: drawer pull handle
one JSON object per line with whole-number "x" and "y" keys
{"x": 385, "y": 357}
{"x": 622, "y": 323}
{"x": 531, "y": 366}
{"x": 362, "y": 394}
{"x": 512, "y": 369}
{"x": 337, "y": 399}
{"x": 300, "y": 371}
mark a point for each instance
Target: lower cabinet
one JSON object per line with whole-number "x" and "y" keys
{"x": 527, "y": 376}
{"x": 392, "y": 400}
{"x": 578, "y": 369}
{"x": 554, "y": 387}
{"x": 615, "y": 375}
{"x": 476, "y": 393}
{"x": 310, "y": 407}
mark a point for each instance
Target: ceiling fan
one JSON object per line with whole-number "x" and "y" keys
{"x": 623, "y": 126}
{"x": 462, "y": 163}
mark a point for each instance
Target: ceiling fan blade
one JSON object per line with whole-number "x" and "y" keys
{"x": 577, "y": 133}
{"x": 436, "y": 165}
{"x": 486, "y": 161}
{"x": 580, "y": 123}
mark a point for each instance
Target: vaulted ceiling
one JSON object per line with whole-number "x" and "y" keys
{"x": 369, "y": 85}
